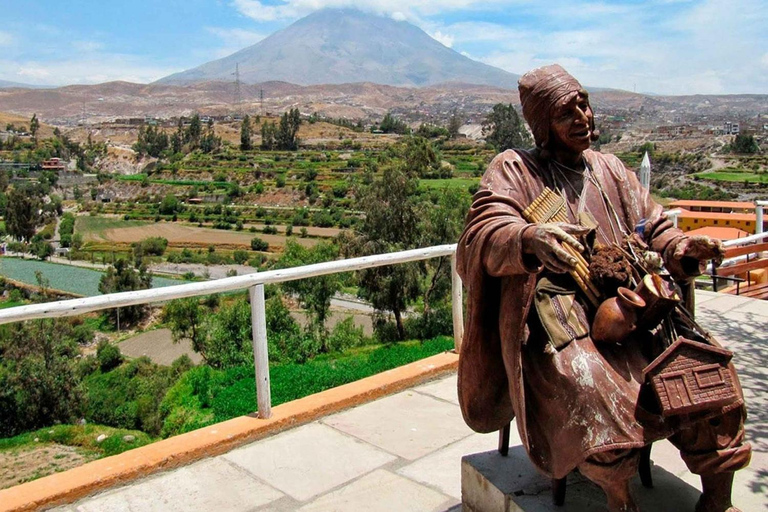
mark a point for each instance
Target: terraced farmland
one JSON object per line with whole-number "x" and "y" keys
{"x": 77, "y": 280}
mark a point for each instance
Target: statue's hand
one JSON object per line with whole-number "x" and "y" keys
{"x": 545, "y": 242}
{"x": 691, "y": 255}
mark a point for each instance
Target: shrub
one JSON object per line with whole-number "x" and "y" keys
{"x": 269, "y": 230}
{"x": 152, "y": 246}
{"x": 344, "y": 335}
{"x": 240, "y": 256}
{"x": 108, "y": 356}
{"x": 129, "y": 396}
{"x": 257, "y": 244}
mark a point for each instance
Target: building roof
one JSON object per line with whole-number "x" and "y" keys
{"x": 687, "y": 214}
{"x": 681, "y": 342}
{"x": 721, "y": 233}
{"x": 690, "y": 203}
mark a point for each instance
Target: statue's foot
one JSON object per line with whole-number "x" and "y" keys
{"x": 708, "y": 504}
{"x": 620, "y": 500}
{"x": 626, "y": 506}
{"x": 716, "y": 496}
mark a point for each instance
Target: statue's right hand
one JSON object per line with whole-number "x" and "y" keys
{"x": 545, "y": 242}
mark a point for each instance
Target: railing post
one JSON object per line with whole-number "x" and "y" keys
{"x": 260, "y": 354}
{"x": 457, "y": 304}
{"x": 759, "y": 205}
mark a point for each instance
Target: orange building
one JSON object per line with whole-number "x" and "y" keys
{"x": 701, "y": 214}
{"x": 688, "y": 220}
{"x": 714, "y": 206}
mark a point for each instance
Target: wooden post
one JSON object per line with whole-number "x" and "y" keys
{"x": 457, "y": 304}
{"x": 260, "y": 354}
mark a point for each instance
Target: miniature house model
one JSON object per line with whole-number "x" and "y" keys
{"x": 690, "y": 376}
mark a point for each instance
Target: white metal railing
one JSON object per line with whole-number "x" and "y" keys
{"x": 737, "y": 242}
{"x": 255, "y": 284}
{"x": 673, "y": 214}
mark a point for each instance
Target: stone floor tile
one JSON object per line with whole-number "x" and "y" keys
{"x": 213, "y": 484}
{"x": 754, "y": 307}
{"x": 724, "y": 303}
{"x": 407, "y": 424}
{"x": 380, "y": 491}
{"x": 442, "y": 469}
{"x": 703, "y": 296}
{"x": 445, "y": 389}
{"x": 308, "y": 460}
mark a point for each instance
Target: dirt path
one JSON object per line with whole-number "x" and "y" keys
{"x": 158, "y": 345}
{"x": 23, "y": 464}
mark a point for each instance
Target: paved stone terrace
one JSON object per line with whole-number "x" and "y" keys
{"x": 403, "y": 452}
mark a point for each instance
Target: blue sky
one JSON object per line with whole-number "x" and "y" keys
{"x": 661, "y": 46}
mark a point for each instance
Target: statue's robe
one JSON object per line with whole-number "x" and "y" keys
{"x": 578, "y": 400}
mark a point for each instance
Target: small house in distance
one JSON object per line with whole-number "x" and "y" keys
{"x": 690, "y": 377}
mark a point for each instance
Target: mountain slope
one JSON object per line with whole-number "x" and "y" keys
{"x": 335, "y": 46}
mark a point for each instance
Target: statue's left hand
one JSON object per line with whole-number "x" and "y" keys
{"x": 691, "y": 255}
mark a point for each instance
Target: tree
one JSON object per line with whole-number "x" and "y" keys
{"x": 289, "y": 127}
{"x": 34, "y": 126}
{"x": 39, "y": 383}
{"x": 503, "y": 128}
{"x": 170, "y": 205}
{"x": 42, "y": 249}
{"x": 245, "y": 134}
{"x": 442, "y": 223}
{"x": 422, "y": 157}
{"x": 268, "y": 135}
{"x": 314, "y": 293}
{"x": 22, "y": 213}
{"x": 185, "y": 318}
{"x": 194, "y": 130}
{"x": 744, "y": 144}
{"x": 454, "y": 123}
{"x": 123, "y": 278}
{"x": 390, "y": 124}
{"x": 391, "y": 223}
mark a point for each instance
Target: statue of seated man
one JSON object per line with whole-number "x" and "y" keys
{"x": 577, "y": 404}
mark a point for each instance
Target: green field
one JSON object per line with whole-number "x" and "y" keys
{"x": 80, "y": 281}
{"x": 97, "y": 225}
{"x": 734, "y": 174}
{"x": 462, "y": 183}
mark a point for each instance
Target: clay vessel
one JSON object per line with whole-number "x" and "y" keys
{"x": 616, "y": 318}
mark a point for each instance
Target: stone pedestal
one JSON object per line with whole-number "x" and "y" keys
{"x": 492, "y": 483}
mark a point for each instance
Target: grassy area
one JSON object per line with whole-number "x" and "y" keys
{"x": 50, "y": 450}
{"x": 11, "y": 303}
{"x": 96, "y": 226}
{"x": 204, "y": 396}
{"x": 461, "y": 183}
{"x": 734, "y": 174}
{"x": 83, "y": 436}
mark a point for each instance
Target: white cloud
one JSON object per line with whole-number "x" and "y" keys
{"x": 398, "y": 9}
{"x": 87, "y": 46}
{"x": 668, "y": 46}
{"x": 236, "y": 36}
{"x": 444, "y": 39}
{"x": 6, "y": 39}
{"x": 89, "y": 70}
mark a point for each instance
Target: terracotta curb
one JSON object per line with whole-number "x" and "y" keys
{"x": 68, "y": 486}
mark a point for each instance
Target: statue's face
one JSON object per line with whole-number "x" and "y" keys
{"x": 570, "y": 128}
